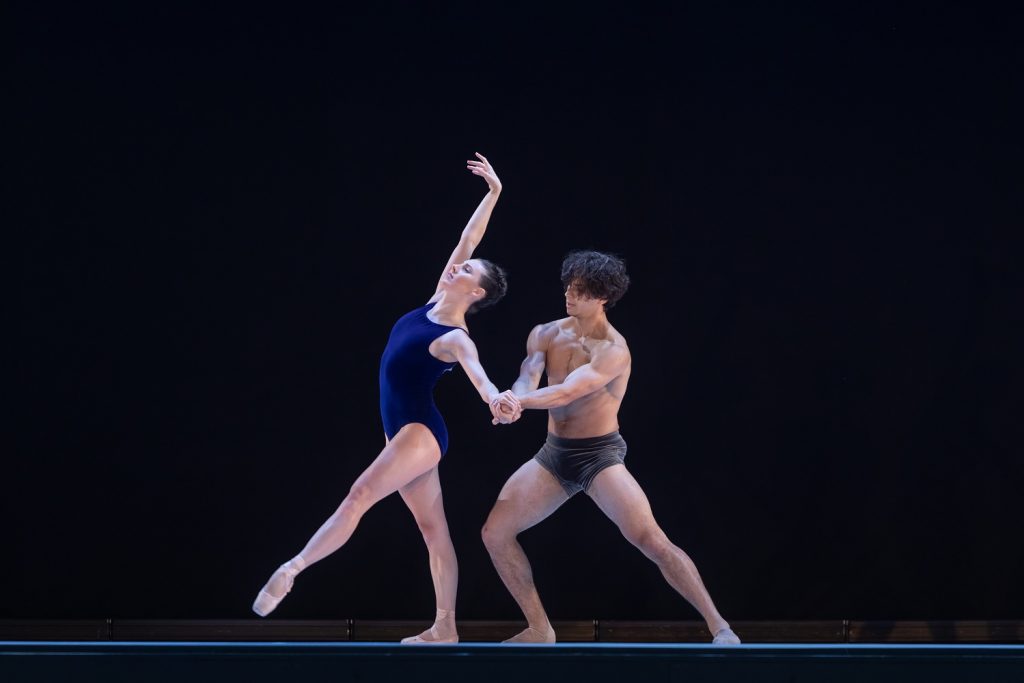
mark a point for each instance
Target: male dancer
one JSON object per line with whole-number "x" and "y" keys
{"x": 588, "y": 365}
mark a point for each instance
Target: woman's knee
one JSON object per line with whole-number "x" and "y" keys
{"x": 434, "y": 531}
{"x": 359, "y": 499}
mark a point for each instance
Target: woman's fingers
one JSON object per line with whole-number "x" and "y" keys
{"x": 483, "y": 163}
{"x": 483, "y": 169}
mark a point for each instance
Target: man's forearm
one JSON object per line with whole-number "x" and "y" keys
{"x": 542, "y": 399}
{"x": 523, "y": 386}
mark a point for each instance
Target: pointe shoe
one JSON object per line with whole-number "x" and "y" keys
{"x": 726, "y": 636}
{"x": 266, "y": 603}
{"x": 434, "y": 640}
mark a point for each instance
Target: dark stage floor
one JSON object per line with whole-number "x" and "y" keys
{"x": 592, "y": 662}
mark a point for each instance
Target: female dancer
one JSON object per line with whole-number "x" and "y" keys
{"x": 424, "y": 343}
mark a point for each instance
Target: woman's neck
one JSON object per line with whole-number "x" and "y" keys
{"x": 448, "y": 312}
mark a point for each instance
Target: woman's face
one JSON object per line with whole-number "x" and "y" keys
{"x": 465, "y": 276}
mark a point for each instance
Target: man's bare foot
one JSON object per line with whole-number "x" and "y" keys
{"x": 442, "y": 631}
{"x": 725, "y": 636}
{"x": 532, "y": 635}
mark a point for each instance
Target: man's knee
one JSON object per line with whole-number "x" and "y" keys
{"x": 496, "y": 534}
{"x": 650, "y": 540}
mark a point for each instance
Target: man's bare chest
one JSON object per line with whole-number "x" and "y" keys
{"x": 565, "y": 356}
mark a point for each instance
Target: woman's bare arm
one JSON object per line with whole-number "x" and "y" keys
{"x": 474, "y": 231}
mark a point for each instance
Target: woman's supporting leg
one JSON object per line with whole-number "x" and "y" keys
{"x": 410, "y": 454}
{"x": 423, "y": 498}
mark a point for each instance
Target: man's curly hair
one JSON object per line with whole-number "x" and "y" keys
{"x": 596, "y": 275}
{"x": 494, "y": 281}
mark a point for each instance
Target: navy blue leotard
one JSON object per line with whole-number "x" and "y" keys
{"x": 408, "y": 374}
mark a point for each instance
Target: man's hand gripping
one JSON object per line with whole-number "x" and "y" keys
{"x": 505, "y": 408}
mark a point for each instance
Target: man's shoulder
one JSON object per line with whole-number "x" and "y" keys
{"x": 551, "y": 328}
{"x": 615, "y": 349}
{"x": 619, "y": 340}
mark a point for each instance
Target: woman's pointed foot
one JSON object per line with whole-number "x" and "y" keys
{"x": 277, "y": 587}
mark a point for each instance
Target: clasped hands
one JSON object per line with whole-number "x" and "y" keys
{"x": 505, "y": 408}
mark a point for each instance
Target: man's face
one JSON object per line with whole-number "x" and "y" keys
{"x": 580, "y": 305}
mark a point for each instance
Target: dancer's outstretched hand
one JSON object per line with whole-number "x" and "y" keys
{"x": 484, "y": 169}
{"x": 505, "y": 408}
{"x": 501, "y": 414}
{"x": 509, "y": 403}
{"x": 498, "y": 416}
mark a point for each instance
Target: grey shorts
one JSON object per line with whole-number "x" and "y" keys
{"x": 575, "y": 462}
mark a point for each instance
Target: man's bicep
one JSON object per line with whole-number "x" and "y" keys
{"x": 536, "y": 352}
{"x": 587, "y": 379}
{"x": 601, "y": 370}
{"x": 534, "y": 363}
{"x": 536, "y": 342}
{"x": 611, "y": 360}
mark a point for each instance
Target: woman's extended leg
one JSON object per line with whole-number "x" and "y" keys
{"x": 423, "y": 498}
{"x": 411, "y": 453}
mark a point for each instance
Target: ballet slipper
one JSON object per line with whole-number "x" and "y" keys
{"x": 266, "y": 602}
{"x": 726, "y": 636}
{"x": 431, "y": 636}
{"x": 532, "y": 635}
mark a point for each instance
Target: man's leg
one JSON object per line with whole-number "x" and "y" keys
{"x": 620, "y": 497}
{"x": 528, "y": 497}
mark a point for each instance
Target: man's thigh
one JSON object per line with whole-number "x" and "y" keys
{"x": 529, "y": 496}
{"x": 620, "y": 497}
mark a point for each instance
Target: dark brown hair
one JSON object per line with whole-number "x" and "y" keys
{"x": 596, "y": 275}
{"x": 494, "y": 282}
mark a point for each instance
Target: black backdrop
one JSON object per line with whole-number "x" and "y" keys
{"x": 217, "y": 217}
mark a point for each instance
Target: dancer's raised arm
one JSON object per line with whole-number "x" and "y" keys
{"x": 477, "y": 225}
